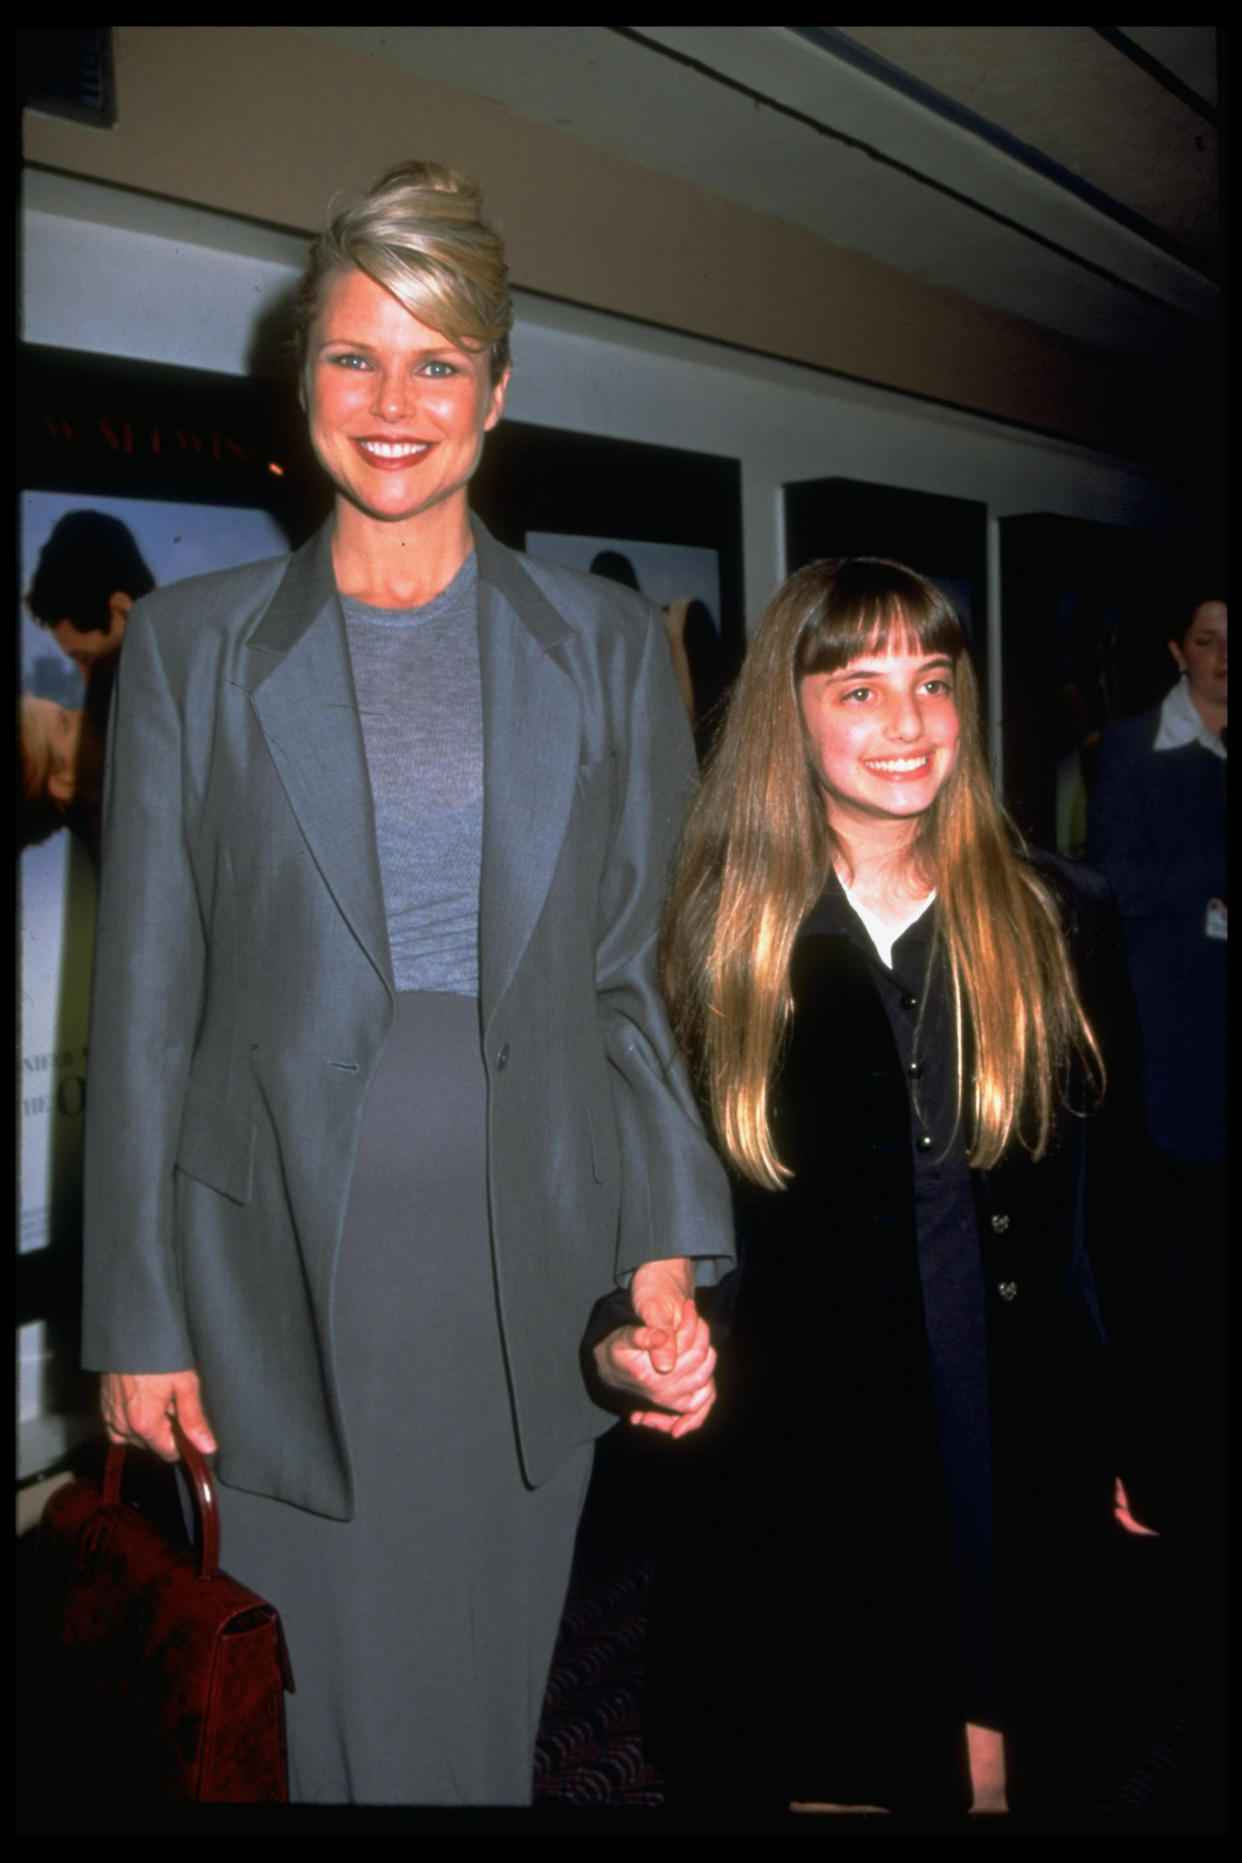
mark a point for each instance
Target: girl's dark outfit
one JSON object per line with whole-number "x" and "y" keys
{"x": 930, "y": 1380}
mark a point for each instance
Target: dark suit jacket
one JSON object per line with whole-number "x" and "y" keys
{"x": 243, "y": 995}
{"x": 1158, "y": 829}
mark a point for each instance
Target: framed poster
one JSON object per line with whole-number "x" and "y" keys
{"x": 1084, "y": 618}
{"x": 132, "y": 476}
{"x": 944, "y": 539}
{"x": 661, "y": 520}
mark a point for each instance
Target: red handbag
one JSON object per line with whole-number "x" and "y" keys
{"x": 173, "y": 1673}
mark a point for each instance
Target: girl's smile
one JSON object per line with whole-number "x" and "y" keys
{"x": 883, "y": 733}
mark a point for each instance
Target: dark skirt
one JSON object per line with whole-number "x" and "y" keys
{"x": 421, "y": 1631}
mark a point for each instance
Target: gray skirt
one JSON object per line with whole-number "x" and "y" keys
{"x": 420, "y": 1632}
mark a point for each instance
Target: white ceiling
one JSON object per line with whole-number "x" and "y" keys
{"x": 1067, "y": 174}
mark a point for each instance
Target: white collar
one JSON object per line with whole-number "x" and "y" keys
{"x": 1181, "y": 723}
{"x": 884, "y": 933}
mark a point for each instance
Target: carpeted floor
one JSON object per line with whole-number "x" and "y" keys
{"x": 591, "y": 1769}
{"x": 590, "y": 1748}
{"x": 590, "y": 1751}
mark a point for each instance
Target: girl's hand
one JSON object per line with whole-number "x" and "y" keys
{"x": 668, "y": 1358}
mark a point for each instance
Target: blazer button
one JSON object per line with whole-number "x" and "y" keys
{"x": 999, "y": 1224}
{"x": 1008, "y": 1290}
{"x": 502, "y": 1059}
{"x": 909, "y": 1001}
{"x": 915, "y": 1070}
{"x": 923, "y": 1142}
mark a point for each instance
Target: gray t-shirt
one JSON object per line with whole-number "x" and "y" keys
{"x": 416, "y": 674}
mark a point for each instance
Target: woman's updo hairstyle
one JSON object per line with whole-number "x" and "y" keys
{"x": 419, "y": 234}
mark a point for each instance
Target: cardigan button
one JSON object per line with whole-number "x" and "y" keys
{"x": 923, "y": 1142}
{"x": 502, "y": 1059}
{"x": 909, "y": 1000}
{"x": 915, "y": 1070}
{"x": 1000, "y": 1223}
{"x": 1008, "y": 1290}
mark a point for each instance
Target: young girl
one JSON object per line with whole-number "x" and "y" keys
{"x": 912, "y": 1034}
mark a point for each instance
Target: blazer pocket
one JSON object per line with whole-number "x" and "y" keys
{"x": 216, "y": 1146}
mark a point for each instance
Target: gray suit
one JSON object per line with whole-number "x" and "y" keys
{"x": 243, "y": 996}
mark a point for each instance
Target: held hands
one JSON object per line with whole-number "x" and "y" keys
{"x": 667, "y": 1359}
{"x": 138, "y": 1407}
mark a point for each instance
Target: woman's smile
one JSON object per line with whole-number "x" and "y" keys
{"x": 392, "y": 453}
{"x": 397, "y": 410}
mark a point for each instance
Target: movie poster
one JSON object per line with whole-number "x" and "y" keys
{"x": 62, "y": 728}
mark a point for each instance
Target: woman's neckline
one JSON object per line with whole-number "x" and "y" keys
{"x": 463, "y": 578}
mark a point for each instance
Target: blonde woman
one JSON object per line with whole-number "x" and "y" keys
{"x": 382, "y": 1101}
{"x": 913, "y": 1039}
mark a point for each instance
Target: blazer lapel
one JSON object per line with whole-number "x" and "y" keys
{"x": 298, "y": 674}
{"x": 301, "y": 688}
{"x": 532, "y": 729}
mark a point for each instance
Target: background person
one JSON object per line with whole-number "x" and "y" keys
{"x": 89, "y": 574}
{"x": 382, "y": 1095}
{"x": 1159, "y": 830}
{"x": 941, "y": 1343}
{"x": 1159, "y": 811}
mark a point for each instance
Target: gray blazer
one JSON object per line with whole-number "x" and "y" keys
{"x": 243, "y": 995}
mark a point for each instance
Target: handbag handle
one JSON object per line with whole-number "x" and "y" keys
{"x": 202, "y": 1487}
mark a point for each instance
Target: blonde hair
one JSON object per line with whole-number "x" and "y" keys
{"x": 34, "y": 751}
{"x": 757, "y": 851}
{"x": 418, "y": 232}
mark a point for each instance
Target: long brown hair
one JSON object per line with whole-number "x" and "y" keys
{"x": 757, "y": 851}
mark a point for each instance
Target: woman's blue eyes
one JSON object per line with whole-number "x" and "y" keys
{"x": 437, "y": 369}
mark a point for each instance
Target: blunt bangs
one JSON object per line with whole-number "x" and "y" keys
{"x": 870, "y": 606}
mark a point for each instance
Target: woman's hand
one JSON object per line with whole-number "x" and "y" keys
{"x": 668, "y": 1358}
{"x": 138, "y": 1408}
